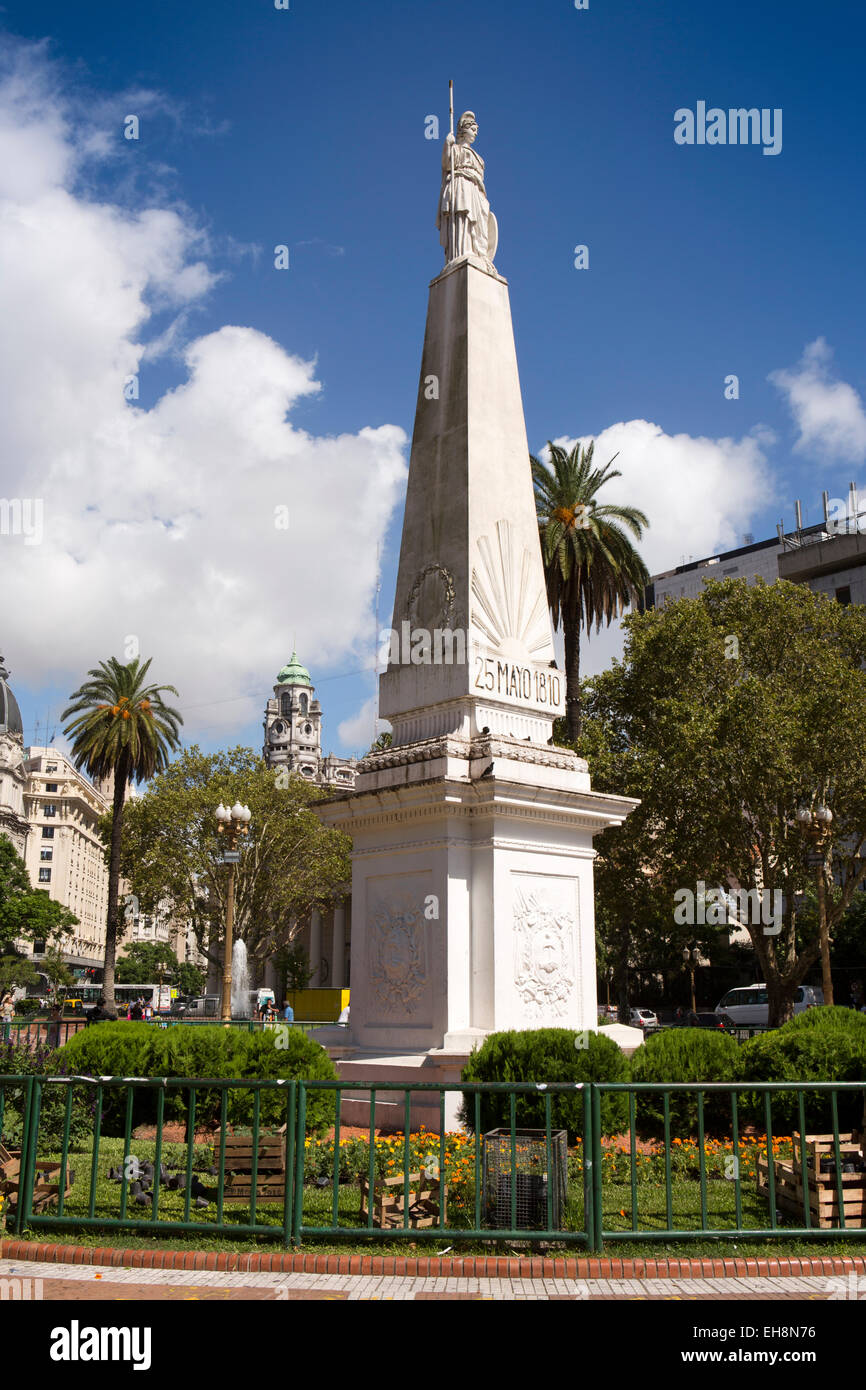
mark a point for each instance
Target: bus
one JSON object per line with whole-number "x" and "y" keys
{"x": 82, "y": 997}
{"x": 156, "y": 997}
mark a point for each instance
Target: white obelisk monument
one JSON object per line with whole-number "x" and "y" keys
{"x": 472, "y": 884}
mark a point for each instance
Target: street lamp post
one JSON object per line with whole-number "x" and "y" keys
{"x": 232, "y": 824}
{"x": 691, "y": 959}
{"x": 815, "y": 822}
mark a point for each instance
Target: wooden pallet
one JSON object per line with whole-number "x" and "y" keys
{"x": 820, "y": 1190}
{"x": 46, "y": 1183}
{"x": 268, "y": 1162}
{"x": 271, "y": 1153}
{"x": 388, "y": 1206}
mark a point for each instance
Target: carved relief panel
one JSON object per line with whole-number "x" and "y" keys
{"x": 547, "y": 966}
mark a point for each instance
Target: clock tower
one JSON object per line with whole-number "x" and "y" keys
{"x": 293, "y": 731}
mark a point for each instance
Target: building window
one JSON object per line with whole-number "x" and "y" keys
{"x": 46, "y": 854}
{"x": 308, "y": 728}
{"x": 285, "y": 703}
{"x": 50, "y": 767}
{"x": 44, "y": 875}
{"x": 52, "y": 786}
{"x": 843, "y": 595}
{"x": 48, "y": 832}
{"x": 39, "y": 948}
{"x": 303, "y": 702}
{"x": 50, "y": 809}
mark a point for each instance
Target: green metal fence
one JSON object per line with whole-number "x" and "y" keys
{"x": 692, "y": 1186}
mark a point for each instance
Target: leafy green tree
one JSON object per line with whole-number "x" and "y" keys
{"x": 290, "y": 863}
{"x": 25, "y": 913}
{"x": 189, "y": 978}
{"x": 120, "y": 728}
{"x": 16, "y": 972}
{"x": 728, "y": 713}
{"x": 592, "y": 570}
{"x": 146, "y": 963}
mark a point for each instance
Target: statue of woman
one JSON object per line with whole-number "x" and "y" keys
{"x": 466, "y": 224}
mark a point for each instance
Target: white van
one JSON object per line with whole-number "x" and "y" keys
{"x": 747, "y": 1007}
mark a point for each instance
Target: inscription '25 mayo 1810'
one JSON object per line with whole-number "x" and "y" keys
{"x": 510, "y": 681}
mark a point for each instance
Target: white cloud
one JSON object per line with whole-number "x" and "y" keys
{"x": 697, "y": 493}
{"x": 160, "y": 522}
{"x": 362, "y": 729}
{"x": 828, "y": 413}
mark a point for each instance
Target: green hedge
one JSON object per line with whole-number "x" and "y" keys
{"x": 685, "y": 1054}
{"x": 542, "y": 1055}
{"x": 137, "y": 1049}
{"x": 827, "y": 1043}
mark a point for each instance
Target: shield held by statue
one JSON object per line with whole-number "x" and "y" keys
{"x": 492, "y": 235}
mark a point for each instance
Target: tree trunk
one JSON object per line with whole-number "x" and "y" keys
{"x": 621, "y": 983}
{"x": 571, "y": 628}
{"x": 121, "y": 778}
{"x": 824, "y": 933}
{"x": 780, "y": 1000}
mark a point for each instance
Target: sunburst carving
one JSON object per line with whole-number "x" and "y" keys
{"x": 509, "y": 607}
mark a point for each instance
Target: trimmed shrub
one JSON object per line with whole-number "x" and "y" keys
{"x": 543, "y": 1055}
{"x": 685, "y": 1054}
{"x": 827, "y": 1043}
{"x": 137, "y": 1049}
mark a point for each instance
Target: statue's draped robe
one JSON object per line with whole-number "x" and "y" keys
{"x": 467, "y": 199}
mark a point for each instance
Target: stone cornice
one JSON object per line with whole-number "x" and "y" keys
{"x": 453, "y": 746}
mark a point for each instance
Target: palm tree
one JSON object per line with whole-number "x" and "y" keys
{"x": 593, "y": 571}
{"x": 122, "y": 730}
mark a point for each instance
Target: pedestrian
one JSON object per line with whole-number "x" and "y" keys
{"x": 54, "y": 1025}
{"x": 7, "y": 1007}
{"x": 288, "y": 1013}
{"x": 97, "y": 1014}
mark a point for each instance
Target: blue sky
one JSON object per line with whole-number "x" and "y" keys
{"x": 260, "y": 127}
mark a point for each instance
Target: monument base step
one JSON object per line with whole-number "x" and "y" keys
{"x": 439, "y": 1067}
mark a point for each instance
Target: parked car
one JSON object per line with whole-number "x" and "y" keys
{"x": 748, "y": 1007}
{"x": 643, "y": 1018}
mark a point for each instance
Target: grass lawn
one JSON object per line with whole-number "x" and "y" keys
{"x": 317, "y": 1206}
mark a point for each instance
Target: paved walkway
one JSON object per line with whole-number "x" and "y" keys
{"x": 81, "y": 1283}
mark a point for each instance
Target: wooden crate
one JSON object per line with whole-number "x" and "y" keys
{"x": 820, "y": 1190}
{"x": 239, "y": 1153}
{"x": 388, "y": 1198}
{"x": 46, "y": 1183}
{"x": 270, "y": 1169}
{"x": 270, "y": 1187}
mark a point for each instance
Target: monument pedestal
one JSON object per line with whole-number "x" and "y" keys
{"x": 472, "y": 903}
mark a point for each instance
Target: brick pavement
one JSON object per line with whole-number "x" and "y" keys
{"x": 86, "y": 1283}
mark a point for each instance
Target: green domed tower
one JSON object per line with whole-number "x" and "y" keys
{"x": 293, "y": 731}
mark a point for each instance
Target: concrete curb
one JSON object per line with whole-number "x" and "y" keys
{"x": 437, "y": 1266}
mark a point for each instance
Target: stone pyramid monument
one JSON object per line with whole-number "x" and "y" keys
{"x": 472, "y": 897}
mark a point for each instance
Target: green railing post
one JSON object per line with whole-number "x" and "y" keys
{"x": 595, "y": 1161}
{"x": 30, "y": 1143}
{"x": 289, "y": 1189}
{"x": 298, "y": 1215}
